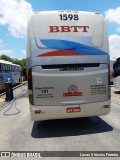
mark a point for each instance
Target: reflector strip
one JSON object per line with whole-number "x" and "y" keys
{"x": 37, "y": 112}
{"x": 106, "y": 106}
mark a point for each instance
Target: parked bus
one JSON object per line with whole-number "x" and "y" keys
{"x": 111, "y": 70}
{"x": 68, "y": 65}
{"x": 117, "y": 74}
{"x": 11, "y": 71}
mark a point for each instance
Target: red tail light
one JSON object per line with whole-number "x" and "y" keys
{"x": 30, "y": 79}
{"x": 30, "y": 85}
{"x": 109, "y": 74}
{"x": 109, "y": 82}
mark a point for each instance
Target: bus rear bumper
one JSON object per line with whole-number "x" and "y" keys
{"x": 40, "y": 113}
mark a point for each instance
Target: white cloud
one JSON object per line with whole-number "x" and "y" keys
{"x": 113, "y": 15}
{"x": 6, "y": 52}
{"x": 1, "y": 41}
{"x": 24, "y": 52}
{"x": 114, "y": 44}
{"x": 15, "y": 14}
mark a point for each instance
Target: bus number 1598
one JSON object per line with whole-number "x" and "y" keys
{"x": 69, "y": 17}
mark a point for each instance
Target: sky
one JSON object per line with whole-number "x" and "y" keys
{"x": 14, "y": 15}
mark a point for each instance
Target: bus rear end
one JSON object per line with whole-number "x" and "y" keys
{"x": 68, "y": 65}
{"x": 117, "y": 74}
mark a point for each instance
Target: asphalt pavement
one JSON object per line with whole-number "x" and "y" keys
{"x": 3, "y": 101}
{"x": 19, "y": 133}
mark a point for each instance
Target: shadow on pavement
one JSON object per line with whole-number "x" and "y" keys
{"x": 69, "y": 127}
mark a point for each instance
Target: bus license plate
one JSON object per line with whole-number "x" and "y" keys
{"x": 73, "y": 109}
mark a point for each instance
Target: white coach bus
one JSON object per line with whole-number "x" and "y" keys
{"x": 9, "y": 70}
{"x": 116, "y": 67}
{"x": 68, "y": 65}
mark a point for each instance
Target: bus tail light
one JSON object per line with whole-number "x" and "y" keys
{"x": 30, "y": 79}
{"x": 109, "y": 81}
{"x": 109, "y": 74}
{"x": 30, "y": 85}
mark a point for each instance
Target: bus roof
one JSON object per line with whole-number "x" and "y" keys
{"x": 7, "y": 62}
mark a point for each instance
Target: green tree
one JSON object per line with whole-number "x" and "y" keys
{"x": 6, "y": 58}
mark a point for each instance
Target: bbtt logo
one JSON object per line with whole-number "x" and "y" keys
{"x": 68, "y": 29}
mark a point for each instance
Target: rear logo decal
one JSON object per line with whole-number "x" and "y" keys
{"x": 72, "y": 91}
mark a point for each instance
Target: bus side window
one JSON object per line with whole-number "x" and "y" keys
{"x": 3, "y": 67}
{"x": 1, "y": 79}
{"x": 10, "y": 68}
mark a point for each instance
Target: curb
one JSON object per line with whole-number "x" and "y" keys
{"x": 15, "y": 87}
{"x": 4, "y": 105}
{"x": 7, "y": 103}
